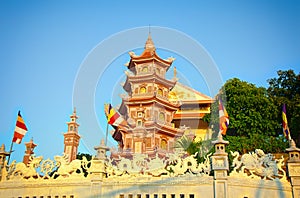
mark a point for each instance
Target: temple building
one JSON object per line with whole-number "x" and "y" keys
{"x": 154, "y": 113}
{"x": 193, "y": 107}
{"x": 71, "y": 138}
{"x": 157, "y": 110}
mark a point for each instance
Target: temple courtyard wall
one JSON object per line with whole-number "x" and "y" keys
{"x": 178, "y": 175}
{"x": 185, "y": 186}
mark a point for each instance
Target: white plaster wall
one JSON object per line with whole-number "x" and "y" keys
{"x": 199, "y": 186}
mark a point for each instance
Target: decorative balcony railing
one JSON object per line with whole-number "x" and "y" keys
{"x": 253, "y": 164}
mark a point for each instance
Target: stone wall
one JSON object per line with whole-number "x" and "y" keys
{"x": 185, "y": 186}
{"x": 255, "y": 174}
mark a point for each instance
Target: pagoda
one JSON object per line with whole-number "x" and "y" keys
{"x": 147, "y": 107}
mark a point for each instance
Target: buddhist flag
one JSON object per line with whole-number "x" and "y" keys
{"x": 113, "y": 117}
{"x": 285, "y": 127}
{"x": 224, "y": 118}
{"x": 20, "y": 130}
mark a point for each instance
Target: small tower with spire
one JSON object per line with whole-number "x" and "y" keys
{"x": 293, "y": 167}
{"x": 220, "y": 167}
{"x": 29, "y": 151}
{"x": 71, "y": 137}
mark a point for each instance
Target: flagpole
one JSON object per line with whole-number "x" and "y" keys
{"x": 290, "y": 137}
{"x": 19, "y": 132}
{"x": 106, "y": 134}
{"x": 10, "y": 151}
{"x": 220, "y": 133}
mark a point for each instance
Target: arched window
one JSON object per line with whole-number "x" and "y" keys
{"x": 71, "y": 128}
{"x": 160, "y": 92}
{"x": 163, "y": 144}
{"x": 139, "y": 123}
{"x": 145, "y": 69}
{"x": 161, "y": 117}
{"x": 143, "y": 90}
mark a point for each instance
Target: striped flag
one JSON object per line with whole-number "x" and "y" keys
{"x": 224, "y": 118}
{"x": 20, "y": 129}
{"x": 113, "y": 117}
{"x": 286, "y": 130}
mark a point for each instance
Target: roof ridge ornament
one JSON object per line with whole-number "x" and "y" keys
{"x": 74, "y": 111}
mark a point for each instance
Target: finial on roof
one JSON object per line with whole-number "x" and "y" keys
{"x": 74, "y": 112}
{"x": 220, "y": 140}
{"x": 293, "y": 146}
{"x": 102, "y": 143}
{"x": 292, "y": 143}
{"x": 2, "y": 149}
{"x": 149, "y": 43}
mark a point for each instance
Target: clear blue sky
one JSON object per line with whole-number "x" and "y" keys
{"x": 43, "y": 44}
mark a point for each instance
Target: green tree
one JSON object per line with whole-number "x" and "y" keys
{"x": 87, "y": 155}
{"x": 191, "y": 146}
{"x": 89, "y": 158}
{"x": 188, "y": 144}
{"x": 252, "y": 115}
{"x": 285, "y": 89}
{"x": 249, "y": 108}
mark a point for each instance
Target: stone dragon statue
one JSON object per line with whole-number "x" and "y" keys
{"x": 66, "y": 168}
{"x": 257, "y": 163}
{"x": 28, "y": 171}
{"x": 189, "y": 164}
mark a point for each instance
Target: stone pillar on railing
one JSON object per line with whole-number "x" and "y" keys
{"x": 220, "y": 166}
{"x": 101, "y": 151}
{"x": 3, "y": 155}
{"x": 97, "y": 169}
{"x": 293, "y": 168}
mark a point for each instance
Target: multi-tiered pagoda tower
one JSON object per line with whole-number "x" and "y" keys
{"x": 147, "y": 107}
{"x": 72, "y": 138}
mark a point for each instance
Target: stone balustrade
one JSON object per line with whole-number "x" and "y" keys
{"x": 254, "y": 174}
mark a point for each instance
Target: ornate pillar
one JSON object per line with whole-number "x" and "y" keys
{"x": 29, "y": 151}
{"x": 220, "y": 166}
{"x": 293, "y": 168}
{"x": 97, "y": 169}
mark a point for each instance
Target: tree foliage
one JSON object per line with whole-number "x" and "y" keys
{"x": 89, "y": 158}
{"x": 188, "y": 144}
{"x": 269, "y": 144}
{"x": 87, "y": 155}
{"x": 250, "y": 109}
{"x": 285, "y": 89}
{"x": 191, "y": 146}
{"x": 253, "y": 117}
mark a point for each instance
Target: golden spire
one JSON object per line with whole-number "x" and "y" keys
{"x": 149, "y": 43}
